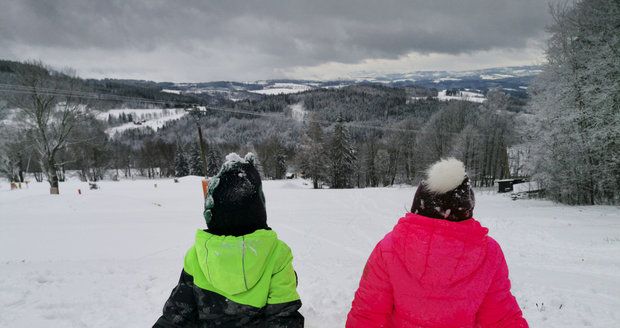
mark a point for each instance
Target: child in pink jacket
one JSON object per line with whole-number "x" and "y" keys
{"x": 438, "y": 267}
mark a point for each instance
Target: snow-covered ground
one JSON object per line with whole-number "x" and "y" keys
{"x": 155, "y": 123}
{"x": 283, "y": 88}
{"x": 110, "y": 257}
{"x": 495, "y": 76}
{"x": 463, "y": 95}
{"x": 444, "y": 79}
{"x": 148, "y": 117}
{"x": 298, "y": 111}
{"x": 137, "y": 112}
{"x": 176, "y": 92}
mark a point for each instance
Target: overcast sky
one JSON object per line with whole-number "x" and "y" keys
{"x": 206, "y": 40}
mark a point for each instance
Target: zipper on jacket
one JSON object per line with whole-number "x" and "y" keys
{"x": 243, "y": 263}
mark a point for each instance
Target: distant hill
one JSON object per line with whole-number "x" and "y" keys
{"x": 512, "y": 80}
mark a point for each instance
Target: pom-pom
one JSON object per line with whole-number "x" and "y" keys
{"x": 445, "y": 175}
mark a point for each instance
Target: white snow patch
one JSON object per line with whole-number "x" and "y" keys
{"x": 298, "y": 112}
{"x": 495, "y": 76}
{"x": 176, "y": 92}
{"x": 283, "y": 88}
{"x": 463, "y": 95}
{"x": 136, "y": 112}
{"x": 154, "y": 124}
{"x": 525, "y": 187}
{"x": 443, "y": 79}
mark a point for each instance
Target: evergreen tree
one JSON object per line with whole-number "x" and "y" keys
{"x": 312, "y": 159}
{"x": 194, "y": 161}
{"x": 181, "y": 167}
{"x": 214, "y": 160}
{"x": 341, "y": 157}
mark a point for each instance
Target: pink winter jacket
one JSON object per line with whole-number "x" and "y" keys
{"x": 435, "y": 273}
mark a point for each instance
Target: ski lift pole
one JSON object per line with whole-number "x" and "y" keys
{"x": 196, "y": 114}
{"x": 203, "y": 156}
{"x": 205, "y": 183}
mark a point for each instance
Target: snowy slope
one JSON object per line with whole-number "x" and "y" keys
{"x": 463, "y": 95}
{"x": 137, "y": 112}
{"x": 153, "y": 118}
{"x": 283, "y": 88}
{"x": 109, "y": 258}
{"x": 154, "y": 124}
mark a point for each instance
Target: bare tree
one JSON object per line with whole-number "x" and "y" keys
{"x": 49, "y": 107}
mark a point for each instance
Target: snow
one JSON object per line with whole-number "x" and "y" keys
{"x": 133, "y": 111}
{"x": 283, "y": 88}
{"x": 495, "y": 76}
{"x": 525, "y": 187}
{"x": 110, "y": 257}
{"x": 298, "y": 112}
{"x": 233, "y": 157}
{"x": 157, "y": 119}
{"x": 443, "y": 79}
{"x": 176, "y": 92}
{"x": 464, "y": 95}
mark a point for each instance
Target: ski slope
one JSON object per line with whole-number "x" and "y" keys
{"x": 148, "y": 117}
{"x": 110, "y": 257}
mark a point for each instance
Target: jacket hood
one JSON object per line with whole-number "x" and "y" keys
{"x": 439, "y": 252}
{"x": 234, "y": 264}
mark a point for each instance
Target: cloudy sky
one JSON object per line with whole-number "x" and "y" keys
{"x": 206, "y": 40}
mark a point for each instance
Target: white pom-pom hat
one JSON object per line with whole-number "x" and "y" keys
{"x": 445, "y": 175}
{"x": 446, "y": 192}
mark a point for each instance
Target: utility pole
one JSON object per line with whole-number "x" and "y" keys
{"x": 197, "y": 113}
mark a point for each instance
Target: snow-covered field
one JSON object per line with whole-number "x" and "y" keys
{"x": 110, "y": 257}
{"x": 283, "y": 88}
{"x": 463, "y": 95}
{"x": 148, "y": 117}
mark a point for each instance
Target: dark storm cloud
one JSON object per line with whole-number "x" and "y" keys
{"x": 272, "y": 34}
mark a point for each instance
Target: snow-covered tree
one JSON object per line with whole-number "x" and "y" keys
{"x": 341, "y": 157}
{"x": 576, "y": 141}
{"x": 181, "y": 167}
{"x": 311, "y": 157}
{"x": 194, "y": 161}
{"x": 214, "y": 160}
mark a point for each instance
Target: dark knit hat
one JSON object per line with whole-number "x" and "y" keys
{"x": 446, "y": 193}
{"x": 235, "y": 204}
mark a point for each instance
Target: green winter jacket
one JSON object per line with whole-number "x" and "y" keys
{"x": 255, "y": 269}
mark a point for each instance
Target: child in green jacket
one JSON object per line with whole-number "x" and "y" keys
{"x": 238, "y": 273}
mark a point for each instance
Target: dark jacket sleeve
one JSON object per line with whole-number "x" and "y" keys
{"x": 180, "y": 309}
{"x": 284, "y": 315}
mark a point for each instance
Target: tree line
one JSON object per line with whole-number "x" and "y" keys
{"x": 56, "y": 133}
